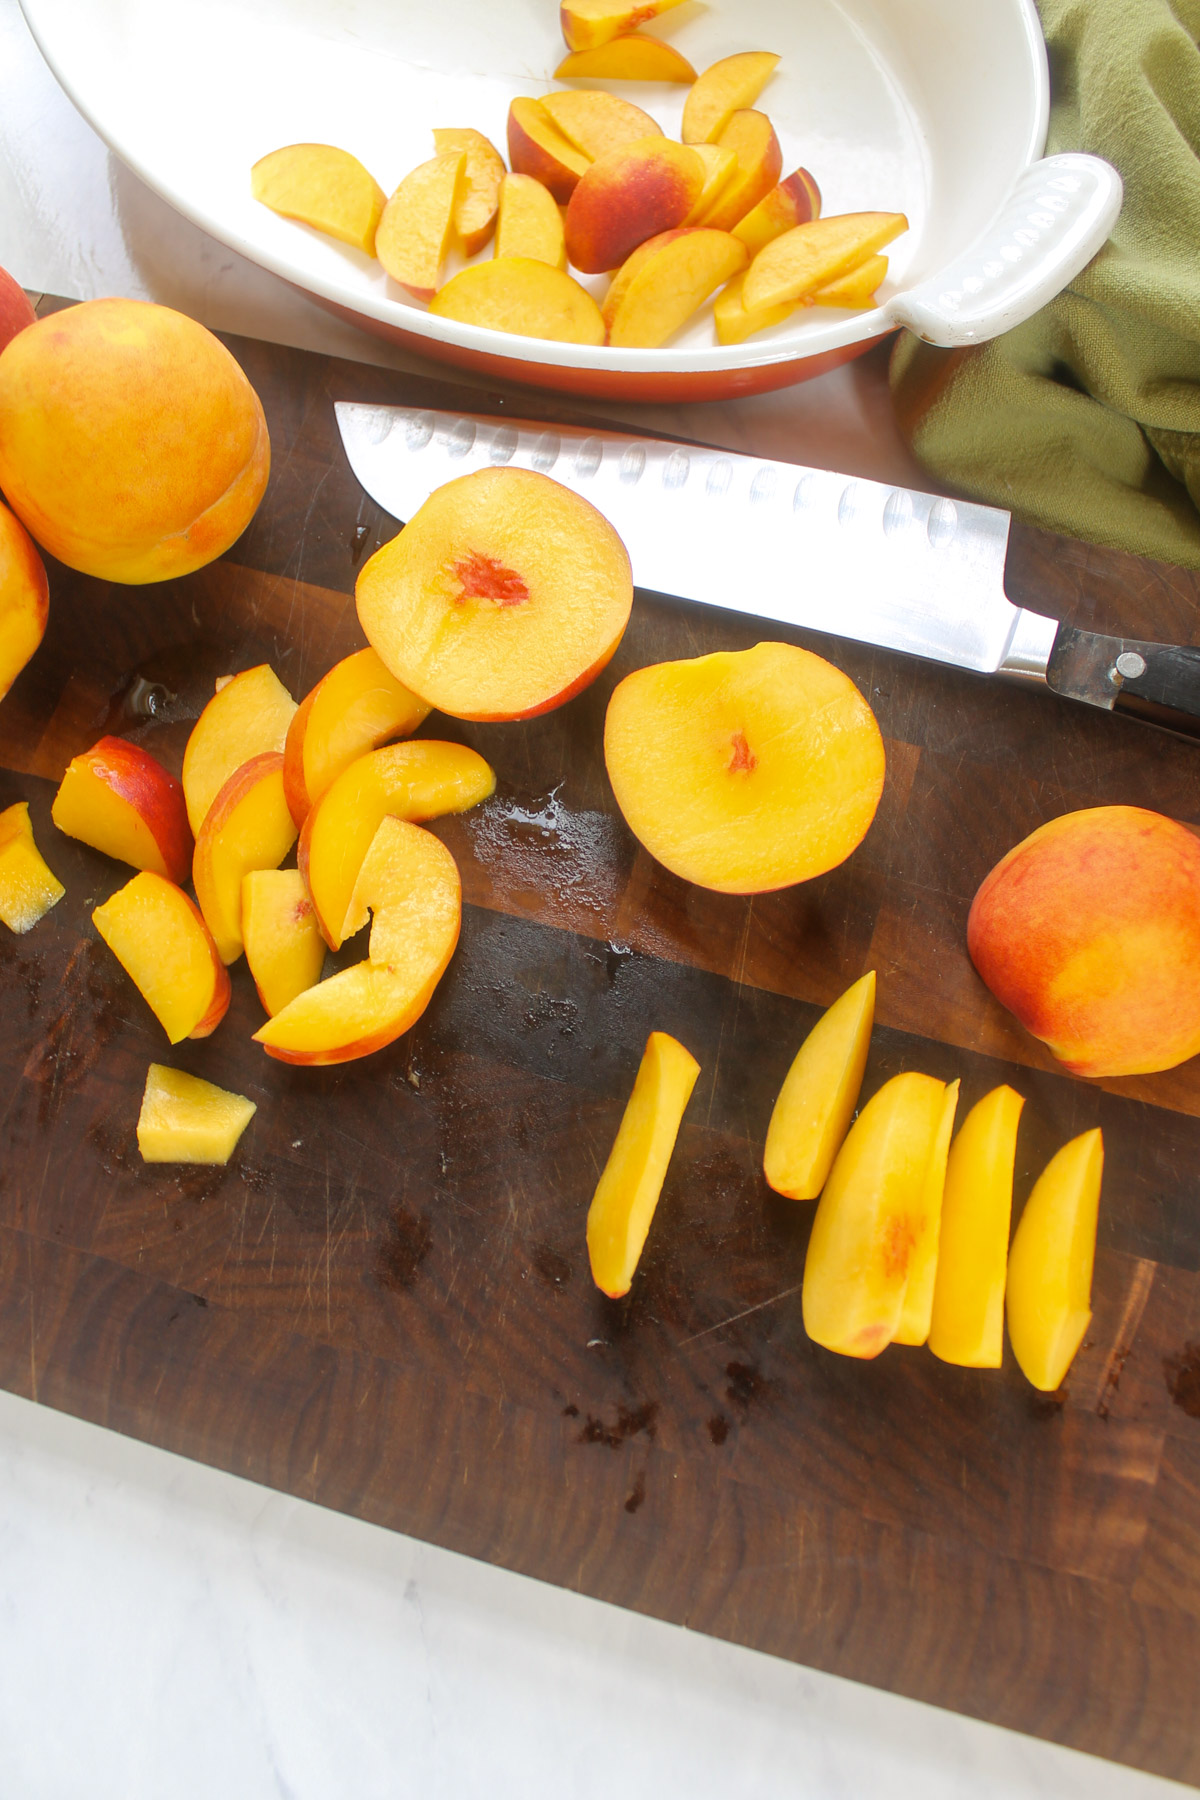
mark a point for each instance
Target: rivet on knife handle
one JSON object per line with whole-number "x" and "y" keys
{"x": 1157, "y": 683}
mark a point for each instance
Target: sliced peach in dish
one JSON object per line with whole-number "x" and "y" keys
{"x": 504, "y": 595}
{"x": 414, "y": 781}
{"x": 746, "y": 770}
{"x": 820, "y": 1092}
{"x": 323, "y": 187}
{"x": 417, "y": 225}
{"x": 356, "y": 707}
{"x": 596, "y": 122}
{"x": 967, "y": 1321}
{"x": 726, "y": 87}
{"x": 856, "y": 288}
{"x": 589, "y": 23}
{"x": 475, "y": 214}
{"x": 248, "y": 826}
{"x": 868, "y": 1221}
{"x": 627, "y": 1193}
{"x": 793, "y": 201}
{"x": 249, "y": 713}
{"x": 810, "y": 256}
{"x": 628, "y": 196}
{"x": 24, "y": 598}
{"x": 161, "y": 941}
{"x": 720, "y": 166}
{"x": 28, "y": 888}
{"x": 187, "y": 1120}
{"x": 522, "y": 296}
{"x": 537, "y": 147}
{"x": 732, "y": 321}
{"x": 631, "y": 57}
{"x": 409, "y": 882}
{"x": 676, "y": 273}
{"x": 529, "y": 222}
{"x": 916, "y": 1309}
{"x": 284, "y": 947}
{"x": 751, "y": 137}
{"x": 119, "y": 799}
{"x": 1049, "y": 1292}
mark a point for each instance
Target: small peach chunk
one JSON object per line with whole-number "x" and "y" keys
{"x": 810, "y": 256}
{"x": 356, "y": 707}
{"x": 627, "y": 1193}
{"x": 726, "y": 87}
{"x": 820, "y": 1092}
{"x": 246, "y": 716}
{"x": 734, "y": 324}
{"x": 24, "y": 598}
{"x": 631, "y": 57}
{"x": 588, "y": 23}
{"x": 248, "y": 826}
{"x": 596, "y": 122}
{"x": 537, "y": 147}
{"x": 529, "y": 223}
{"x": 323, "y": 187}
{"x": 967, "y": 1321}
{"x": 417, "y": 225}
{"x": 187, "y": 1120}
{"x": 120, "y": 800}
{"x": 720, "y": 166}
{"x": 916, "y": 1310}
{"x": 629, "y": 195}
{"x": 475, "y": 213}
{"x": 855, "y": 288}
{"x": 504, "y": 595}
{"x": 677, "y": 271}
{"x": 793, "y": 202}
{"x": 28, "y": 889}
{"x": 161, "y": 941}
{"x": 746, "y": 770}
{"x": 751, "y": 137}
{"x": 284, "y": 947}
{"x": 1049, "y": 1293}
{"x": 522, "y": 296}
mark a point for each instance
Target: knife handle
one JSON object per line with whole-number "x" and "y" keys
{"x": 1157, "y": 683}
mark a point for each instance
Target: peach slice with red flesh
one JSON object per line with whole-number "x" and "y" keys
{"x": 161, "y": 941}
{"x": 24, "y": 598}
{"x": 324, "y": 187}
{"x": 409, "y": 882}
{"x": 285, "y": 951}
{"x": 728, "y": 86}
{"x": 28, "y": 888}
{"x": 248, "y": 826}
{"x": 793, "y": 201}
{"x": 504, "y": 595}
{"x": 414, "y": 781}
{"x": 745, "y": 770}
{"x": 475, "y": 213}
{"x": 356, "y": 707}
{"x": 628, "y": 196}
{"x": 119, "y": 799}
{"x": 808, "y": 257}
{"x": 523, "y": 296}
{"x": 586, "y": 24}
{"x": 537, "y": 147}
{"x": 529, "y": 223}
{"x": 187, "y": 1120}
{"x": 597, "y": 123}
{"x": 751, "y": 137}
{"x": 966, "y": 1324}
{"x": 631, "y": 57}
{"x": 249, "y": 713}
{"x": 417, "y": 225}
{"x": 675, "y": 274}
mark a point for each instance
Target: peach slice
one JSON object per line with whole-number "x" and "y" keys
{"x": 916, "y": 1310}
{"x": 727, "y": 87}
{"x": 631, "y": 57}
{"x": 1049, "y": 1294}
{"x": 409, "y": 882}
{"x": 248, "y": 826}
{"x": 586, "y": 24}
{"x": 855, "y": 288}
{"x": 537, "y": 147}
{"x": 869, "y": 1219}
{"x": 676, "y": 273}
{"x": 414, "y": 781}
{"x": 819, "y": 1094}
{"x": 323, "y": 187}
{"x": 596, "y": 122}
{"x": 810, "y": 256}
{"x": 732, "y": 321}
{"x": 720, "y": 166}
{"x": 793, "y": 202}
{"x": 504, "y": 595}
{"x": 284, "y": 947}
{"x": 24, "y": 598}
{"x": 356, "y": 707}
{"x": 187, "y": 1120}
{"x": 745, "y": 770}
{"x": 967, "y": 1321}
{"x": 417, "y": 225}
{"x": 627, "y": 1193}
{"x": 161, "y": 941}
{"x": 249, "y": 713}
{"x": 628, "y": 196}
{"x": 475, "y": 213}
{"x": 529, "y": 223}
{"x": 28, "y": 889}
{"x": 751, "y": 137}
{"x": 520, "y": 295}
{"x": 119, "y": 799}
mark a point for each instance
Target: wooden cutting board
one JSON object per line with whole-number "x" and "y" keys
{"x": 384, "y": 1305}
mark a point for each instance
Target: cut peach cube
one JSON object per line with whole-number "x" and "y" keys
{"x": 323, "y": 187}
{"x": 967, "y": 1321}
{"x": 732, "y": 321}
{"x": 627, "y": 1194}
{"x": 284, "y": 947}
{"x": 726, "y": 87}
{"x": 248, "y": 826}
{"x": 820, "y": 1092}
{"x": 28, "y": 888}
{"x": 417, "y": 226}
{"x": 808, "y": 257}
{"x": 793, "y": 201}
{"x": 24, "y": 598}
{"x": 596, "y": 122}
{"x": 676, "y": 273}
{"x": 631, "y": 57}
{"x": 120, "y": 800}
{"x": 588, "y": 23}
{"x": 356, "y": 707}
{"x": 720, "y": 166}
{"x": 475, "y": 213}
{"x": 1048, "y": 1298}
{"x": 537, "y": 147}
{"x": 529, "y": 223}
{"x": 751, "y": 137}
{"x": 161, "y": 941}
{"x": 628, "y": 196}
{"x": 248, "y": 714}
{"x": 916, "y": 1310}
{"x": 857, "y": 288}
{"x": 523, "y": 296}
{"x": 187, "y": 1120}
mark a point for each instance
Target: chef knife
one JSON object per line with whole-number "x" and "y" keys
{"x": 824, "y": 552}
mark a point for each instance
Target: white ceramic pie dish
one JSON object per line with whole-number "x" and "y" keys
{"x": 934, "y": 108}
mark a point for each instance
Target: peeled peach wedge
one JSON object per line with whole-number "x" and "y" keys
{"x": 855, "y": 288}
{"x": 323, "y": 187}
{"x": 523, "y": 296}
{"x": 187, "y": 1120}
{"x": 409, "y": 882}
{"x": 732, "y": 321}
{"x": 416, "y": 228}
{"x": 24, "y": 598}
{"x": 746, "y": 770}
{"x": 596, "y": 122}
{"x": 589, "y": 23}
{"x": 28, "y": 888}
{"x": 504, "y": 595}
{"x": 793, "y": 201}
{"x": 726, "y": 87}
{"x": 816, "y": 1103}
{"x": 675, "y": 274}
{"x": 475, "y": 214}
{"x": 356, "y": 707}
{"x": 720, "y": 166}
{"x": 529, "y": 223}
{"x": 537, "y": 147}
{"x": 119, "y": 799}
{"x": 629, "y": 195}
{"x": 414, "y": 781}
{"x": 916, "y": 1309}
{"x": 284, "y": 947}
{"x": 249, "y": 713}
{"x": 967, "y": 1320}
{"x": 809, "y": 256}
{"x": 627, "y": 1193}
{"x": 630, "y": 57}
{"x": 161, "y": 941}
{"x": 248, "y": 826}
{"x": 869, "y": 1219}
{"x": 1048, "y": 1298}
{"x": 751, "y": 137}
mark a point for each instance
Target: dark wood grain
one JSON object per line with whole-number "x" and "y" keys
{"x": 383, "y": 1303}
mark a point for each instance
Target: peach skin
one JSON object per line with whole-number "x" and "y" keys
{"x": 24, "y": 598}
{"x": 16, "y": 308}
{"x": 631, "y": 57}
{"x": 728, "y": 86}
{"x": 161, "y": 941}
{"x": 537, "y": 147}
{"x": 249, "y": 713}
{"x": 120, "y": 800}
{"x": 479, "y": 197}
{"x": 187, "y": 1120}
{"x": 524, "y": 296}
{"x": 810, "y": 256}
{"x": 596, "y": 122}
{"x": 323, "y": 187}
{"x": 751, "y": 137}
{"x": 417, "y": 224}
{"x": 793, "y": 202}
{"x": 586, "y": 24}
{"x": 356, "y": 707}
{"x": 628, "y": 196}
{"x": 28, "y": 888}
{"x": 284, "y": 948}
{"x": 529, "y": 223}
{"x": 916, "y": 1309}
{"x": 248, "y": 826}
{"x": 816, "y": 1103}
{"x": 1049, "y": 1293}
{"x": 675, "y": 274}
{"x": 967, "y": 1319}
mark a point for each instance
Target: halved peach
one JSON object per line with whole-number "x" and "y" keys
{"x": 631, "y": 57}
{"x": 417, "y": 225}
{"x": 966, "y": 1324}
{"x": 356, "y": 707}
{"x": 676, "y": 273}
{"x": 751, "y": 137}
{"x": 119, "y": 799}
{"x": 745, "y": 770}
{"x": 916, "y": 1309}
{"x": 161, "y": 941}
{"x": 187, "y": 1120}
{"x": 409, "y": 882}
{"x": 734, "y": 323}
{"x": 414, "y": 781}
{"x": 589, "y": 23}
{"x": 720, "y": 166}
{"x": 285, "y": 951}
{"x": 323, "y": 187}
{"x": 596, "y": 122}
{"x": 529, "y": 222}
{"x": 249, "y": 713}
{"x": 629, "y": 195}
{"x": 537, "y": 147}
{"x": 28, "y": 888}
{"x": 809, "y": 256}
{"x": 1049, "y": 1287}
{"x": 520, "y": 295}
{"x": 726, "y": 87}
{"x": 793, "y": 201}
{"x": 24, "y": 598}
{"x": 856, "y": 288}
{"x": 475, "y": 213}
{"x": 816, "y": 1103}
{"x": 248, "y": 826}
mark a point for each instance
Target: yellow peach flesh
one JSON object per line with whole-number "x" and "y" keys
{"x": 793, "y": 202}
{"x": 674, "y": 277}
{"x": 726, "y": 87}
{"x": 751, "y": 137}
{"x": 475, "y": 214}
{"x": 24, "y": 598}
{"x": 810, "y": 256}
{"x": 917, "y": 1308}
{"x": 523, "y": 296}
{"x": 321, "y": 186}
{"x": 529, "y": 223}
{"x": 732, "y": 321}
{"x": 248, "y": 826}
{"x": 187, "y": 1120}
{"x": 120, "y": 800}
{"x": 537, "y": 147}
{"x": 1048, "y": 1298}
{"x": 820, "y": 1092}
{"x": 417, "y": 224}
{"x": 356, "y": 707}
{"x": 627, "y": 58}
{"x": 246, "y": 716}
{"x": 28, "y": 888}
{"x": 596, "y": 122}
{"x": 285, "y": 951}
{"x": 856, "y": 288}
{"x": 967, "y": 1320}
{"x": 161, "y": 941}
{"x": 589, "y": 23}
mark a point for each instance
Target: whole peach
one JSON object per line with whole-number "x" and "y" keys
{"x": 16, "y": 308}
{"x": 132, "y": 446}
{"x": 1089, "y": 931}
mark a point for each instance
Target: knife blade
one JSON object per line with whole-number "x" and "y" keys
{"x": 838, "y": 554}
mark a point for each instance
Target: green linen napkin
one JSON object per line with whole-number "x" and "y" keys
{"x": 1086, "y": 419}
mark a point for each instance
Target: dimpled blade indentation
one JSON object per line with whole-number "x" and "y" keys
{"x": 898, "y": 512}
{"x": 546, "y": 452}
{"x": 588, "y": 458}
{"x": 720, "y": 476}
{"x": 943, "y": 523}
{"x": 418, "y": 430}
{"x": 379, "y": 425}
{"x": 676, "y": 469}
{"x": 764, "y": 484}
{"x": 460, "y": 439}
{"x": 503, "y": 445}
{"x": 633, "y": 465}
{"x": 850, "y": 504}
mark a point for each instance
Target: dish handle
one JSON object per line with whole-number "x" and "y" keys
{"x": 1059, "y": 213}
